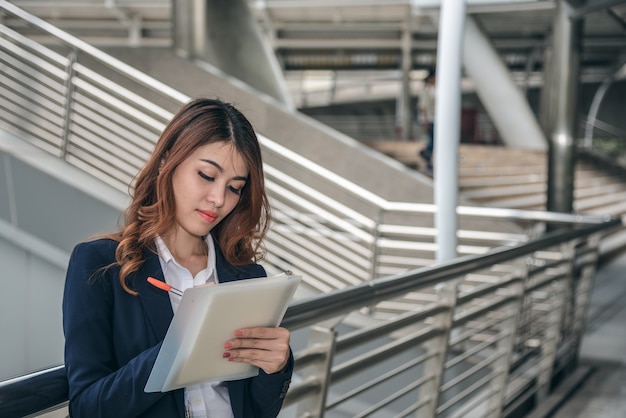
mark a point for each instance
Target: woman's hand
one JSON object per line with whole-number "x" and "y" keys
{"x": 266, "y": 348}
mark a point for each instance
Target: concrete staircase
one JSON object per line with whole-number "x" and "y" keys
{"x": 502, "y": 177}
{"x": 497, "y": 176}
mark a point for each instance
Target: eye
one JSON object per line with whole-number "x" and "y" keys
{"x": 235, "y": 190}
{"x": 204, "y": 176}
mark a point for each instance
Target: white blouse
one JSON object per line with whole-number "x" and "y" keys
{"x": 208, "y": 399}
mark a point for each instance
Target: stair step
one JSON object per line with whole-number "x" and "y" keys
{"x": 508, "y": 191}
{"x": 598, "y": 180}
{"x": 500, "y": 171}
{"x": 498, "y": 176}
{"x": 535, "y": 202}
{"x": 611, "y": 204}
{"x": 490, "y": 181}
{"x": 599, "y": 190}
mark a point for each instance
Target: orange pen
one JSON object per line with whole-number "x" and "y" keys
{"x": 164, "y": 286}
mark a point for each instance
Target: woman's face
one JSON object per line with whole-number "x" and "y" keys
{"x": 207, "y": 187}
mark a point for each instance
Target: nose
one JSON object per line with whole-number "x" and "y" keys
{"x": 216, "y": 194}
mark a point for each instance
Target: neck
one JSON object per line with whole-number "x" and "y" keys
{"x": 184, "y": 249}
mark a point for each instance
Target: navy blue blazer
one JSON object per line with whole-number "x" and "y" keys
{"x": 112, "y": 340}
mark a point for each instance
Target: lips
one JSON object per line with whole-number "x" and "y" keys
{"x": 208, "y": 215}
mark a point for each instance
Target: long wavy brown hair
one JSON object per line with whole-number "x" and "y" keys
{"x": 152, "y": 209}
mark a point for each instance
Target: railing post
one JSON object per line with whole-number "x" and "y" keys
{"x": 569, "y": 310}
{"x": 435, "y": 366}
{"x": 582, "y": 269}
{"x": 552, "y": 336}
{"x": 376, "y": 235}
{"x": 507, "y": 344}
{"x": 585, "y": 285}
{"x": 67, "y": 108}
{"x": 321, "y": 339}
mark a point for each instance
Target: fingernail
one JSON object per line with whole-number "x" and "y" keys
{"x": 225, "y": 355}
{"x": 239, "y": 333}
{"x": 228, "y": 345}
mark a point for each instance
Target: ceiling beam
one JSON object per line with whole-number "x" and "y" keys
{"x": 426, "y": 44}
{"x": 580, "y": 8}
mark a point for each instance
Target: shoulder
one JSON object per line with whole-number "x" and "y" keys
{"x": 248, "y": 271}
{"x": 255, "y": 270}
{"x": 90, "y": 256}
{"x": 100, "y": 244}
{"x": 90, "y": 272}
{"x": 228, "y": 272}
{"x": 102, "y": 247}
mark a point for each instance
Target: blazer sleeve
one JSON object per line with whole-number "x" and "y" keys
{"x": 268, "y": 391}
{"x": 98, "y": 385}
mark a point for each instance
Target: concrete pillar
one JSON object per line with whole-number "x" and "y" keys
{"x": 560, "y": 92}
{"x": 225, "y": 34}
{"x": 504, "y": 101}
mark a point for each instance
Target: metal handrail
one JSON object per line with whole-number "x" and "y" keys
{"x": 111, "y": 140}
{"x": 22, "y": 396}
{"x": 104, "y": 58}
{"x": 316, "y": 309}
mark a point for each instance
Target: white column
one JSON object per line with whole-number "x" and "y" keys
{"x": 448, "y": 125}
{"x": 405, "y": 110}
{"x": 504, "y": 101}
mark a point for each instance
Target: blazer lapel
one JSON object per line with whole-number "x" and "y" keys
{"x": 157, "y": 306}
{"x": 225, "y": 271}
{"x": 155, "y": 302}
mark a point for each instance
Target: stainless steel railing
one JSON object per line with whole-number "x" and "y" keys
{"x": 451, "y": 357}
{"x": 482, "y": 344}
{"x": 99, "y": 114}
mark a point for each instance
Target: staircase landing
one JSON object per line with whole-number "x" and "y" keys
{"x": 497, "y": 176}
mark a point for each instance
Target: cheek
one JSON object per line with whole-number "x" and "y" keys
{"x": 231, "y": 203}
{"x": 186, "y": 188}
{"x": 184, "y": 198}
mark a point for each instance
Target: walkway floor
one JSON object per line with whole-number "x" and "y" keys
{"x": 603, "y": 394}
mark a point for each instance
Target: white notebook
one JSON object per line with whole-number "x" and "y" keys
{"x": 206, "y": 318}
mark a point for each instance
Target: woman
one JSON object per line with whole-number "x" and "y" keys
{"x": 198, "y": 214}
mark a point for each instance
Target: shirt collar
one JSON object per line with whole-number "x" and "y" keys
{"x": 166, "y": 256}
{"x": 163, "y": 251}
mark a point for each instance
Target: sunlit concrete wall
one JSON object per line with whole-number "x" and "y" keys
{"x": 46, "y": 207}
{"x": 30, "y": 322}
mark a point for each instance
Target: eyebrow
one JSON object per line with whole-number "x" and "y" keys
{"x": 221, "y": 169}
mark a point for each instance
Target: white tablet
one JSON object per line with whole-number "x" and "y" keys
{"x": 206, "y": 318}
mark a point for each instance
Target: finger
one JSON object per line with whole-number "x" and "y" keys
{"x": 263, "y": 333}
{"x": 253, "y": 337}
{"x": 269, "y": 361}
{"x": 257, "y": 343}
